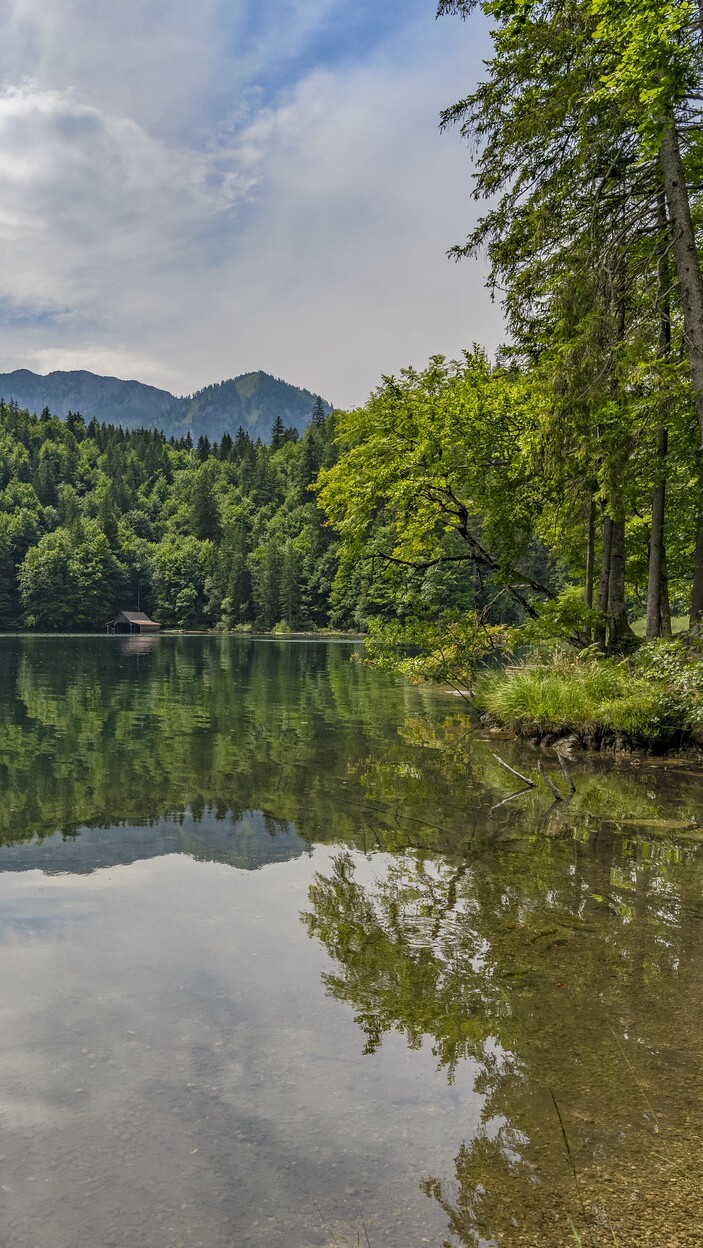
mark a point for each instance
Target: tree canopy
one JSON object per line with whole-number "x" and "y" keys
{"x": 94, "y": 519}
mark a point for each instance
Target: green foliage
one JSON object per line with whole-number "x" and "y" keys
{"x": 675, "y": 667}
{"x": 70, "y": 579}
{"x": 587, "y": 129}
{"x": 434, "y": 497}
{"x": 205, "y": 513}
{"x": 543, "y": 696}
{"x": 179, "y": 569}
{"x": 94, "y": 519}
{"x": 445, "y": 651}
{"x": 564, "y": 618}
{"x": 650, "y": 50}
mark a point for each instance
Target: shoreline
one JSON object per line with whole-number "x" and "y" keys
{"x": 650, "y": 703}
{"x": 594, "y": 741}
{"x": 318, "y": 635}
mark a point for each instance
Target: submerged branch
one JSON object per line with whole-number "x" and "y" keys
{"x": 510, "y": 798}
{"x": 549, "y": 783}
{"x": 567, "y": 774}
{"x": 526, "y": 779}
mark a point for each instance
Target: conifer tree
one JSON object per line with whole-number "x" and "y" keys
{"x": 205, "y": 513}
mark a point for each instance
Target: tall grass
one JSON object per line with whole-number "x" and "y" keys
{"x": 576, "y": 694}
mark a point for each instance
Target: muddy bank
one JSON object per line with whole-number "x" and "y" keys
{"x": 594, "y": 738}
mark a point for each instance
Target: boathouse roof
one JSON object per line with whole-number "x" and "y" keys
{"x": 138, "y": 621}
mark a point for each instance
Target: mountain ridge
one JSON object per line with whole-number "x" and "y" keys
{"x": 252, "y": 401}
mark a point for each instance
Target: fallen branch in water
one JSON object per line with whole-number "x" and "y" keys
{"x": 567, "y": 773}
{"x": 525, "y": 779}
{"x": 511, "y": 798}
{"x": 550, "y": 785}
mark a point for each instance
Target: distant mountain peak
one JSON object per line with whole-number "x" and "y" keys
{"x": 252, "y": 401}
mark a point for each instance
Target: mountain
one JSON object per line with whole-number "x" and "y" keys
{"x": 252, "y": 401}
{"x": 247, "y": 841}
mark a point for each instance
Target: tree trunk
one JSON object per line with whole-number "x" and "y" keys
{"x": 664, "y": 607}
{"x": 656, "y": 541}
{"x": 620, "y": 635}
{"x": 657, "y": 609}
{"x": 590, "y": 564}
{"x": 604, "y": 580}
{"x": 688, "y": 265}
{"x": 696, "y": 617}
{"x": 690, "y": 276}
{"x": 590, "y": 553}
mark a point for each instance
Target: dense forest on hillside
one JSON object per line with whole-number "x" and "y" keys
{"x": 94, "y": 518}
{"x": 253, "y": 400}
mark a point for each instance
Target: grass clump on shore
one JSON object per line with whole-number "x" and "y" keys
{"x": 654, "y": 697}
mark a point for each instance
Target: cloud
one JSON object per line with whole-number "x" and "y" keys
{"x": 359, "y": 201}
{"x": 301, "y": 230}
{"x": 151, "y": 61}
{"x": 90, "y": 202}
{"x": 170, "y": 65}
{"x": 118, "y": 360}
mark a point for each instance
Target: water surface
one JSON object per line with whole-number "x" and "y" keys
{"x": 283, "y": 961}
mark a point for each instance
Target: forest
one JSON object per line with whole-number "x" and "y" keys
{"x": 94, "y": 519}
{"x": 569, "y": 475}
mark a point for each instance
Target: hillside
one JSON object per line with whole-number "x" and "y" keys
{"x": 252, "y": 401}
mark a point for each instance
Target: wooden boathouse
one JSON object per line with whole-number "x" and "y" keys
{"x": 133, "y": 622}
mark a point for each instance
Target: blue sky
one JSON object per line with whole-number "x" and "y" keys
{"x": 191, "y": 191}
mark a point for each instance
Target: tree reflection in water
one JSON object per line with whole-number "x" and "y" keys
{"x": 555, "y": 951}
{"x": 569, "y": 971}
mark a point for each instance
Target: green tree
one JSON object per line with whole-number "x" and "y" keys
{"x": 589, "y": 147}
{"x": 438, "y": 456}
{"x": 179, "y": 571}
{"x": 278, "y": 430}
{"x": 266, "y": 566}
{"x": 70, "y": 579}
{"x": 205, "y": 512}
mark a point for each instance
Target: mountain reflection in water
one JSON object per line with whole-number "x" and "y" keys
{"x": 495, "y": 1031}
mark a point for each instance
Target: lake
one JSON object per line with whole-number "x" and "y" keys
{"x": 286, "y": 961}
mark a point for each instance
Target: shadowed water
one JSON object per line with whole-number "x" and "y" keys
{"x": 283, "y": 961}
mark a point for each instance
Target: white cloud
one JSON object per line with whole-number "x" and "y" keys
{"x": 308, "y": 240}
{"x": 166, "y": 64}
{"x": 151, "y": 60}
{"x": 91, "y": 202}
{"x": 119, "y": 360}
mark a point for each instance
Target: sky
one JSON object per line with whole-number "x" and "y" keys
{"x": 190, "y": 191}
